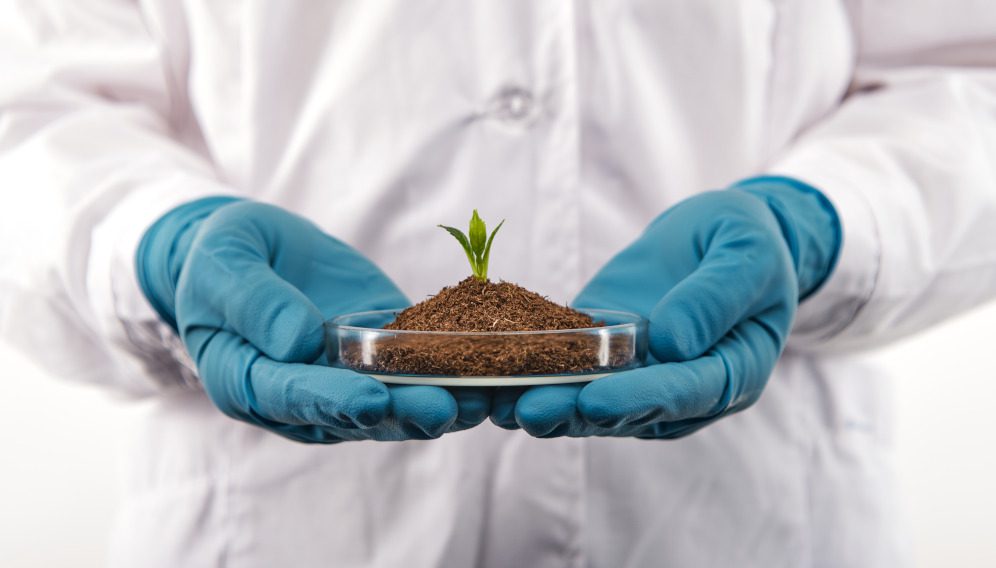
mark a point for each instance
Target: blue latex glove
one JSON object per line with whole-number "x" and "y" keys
{"x": 719, "y": 277}
{"x": 248, "y": 286}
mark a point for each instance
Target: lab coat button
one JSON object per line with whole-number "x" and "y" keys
{"x": 512, "y": 105}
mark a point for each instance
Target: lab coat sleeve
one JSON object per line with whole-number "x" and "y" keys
{"x": 90, "y": 156}
{"x": 909, "y": 160}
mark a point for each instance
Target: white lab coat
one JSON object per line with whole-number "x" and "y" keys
{"x": 577, "y": 122}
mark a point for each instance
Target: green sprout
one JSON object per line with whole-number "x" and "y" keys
{"x": 476, "y": 248}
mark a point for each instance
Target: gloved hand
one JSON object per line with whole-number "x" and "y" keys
{"x": 719, "y": 277}
{"x": 248, "y": 286}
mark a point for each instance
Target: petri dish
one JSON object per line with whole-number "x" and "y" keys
{"x": 358, "y": 341}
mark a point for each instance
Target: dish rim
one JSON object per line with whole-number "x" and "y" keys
{"x": 639, "y": 322}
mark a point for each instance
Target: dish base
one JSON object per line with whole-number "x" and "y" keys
{"x": 487, "y": 381}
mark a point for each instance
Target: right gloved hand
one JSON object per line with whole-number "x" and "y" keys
{"x": 248, "y": 287}
{"x": 719, "y": 277}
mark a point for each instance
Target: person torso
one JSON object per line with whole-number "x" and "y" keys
{"x": 577, "y": 122}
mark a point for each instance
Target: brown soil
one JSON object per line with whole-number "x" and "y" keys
{"x": 474, "y": 306}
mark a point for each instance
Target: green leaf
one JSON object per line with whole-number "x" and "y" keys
{"x": 478, "y": 232}
{"x": 477, "y": 246}
{"x": 462, "y": 238}
{"x": 487, "y": 251}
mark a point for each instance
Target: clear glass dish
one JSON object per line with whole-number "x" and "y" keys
{"x": 358, "y": 341}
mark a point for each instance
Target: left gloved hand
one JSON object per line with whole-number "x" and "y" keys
{"x": 719, "y": 277}
{"x": 247, "y": 286}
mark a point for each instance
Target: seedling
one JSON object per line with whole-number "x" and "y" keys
{"x": 475, "y": 246}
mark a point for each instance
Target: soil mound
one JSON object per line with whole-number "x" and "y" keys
{"x": 473, "y": 305}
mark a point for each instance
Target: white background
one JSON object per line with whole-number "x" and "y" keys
{"x": 59, "y": 443}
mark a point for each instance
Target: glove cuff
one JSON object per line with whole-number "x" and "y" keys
{"x": 809, "y": 223}
{"x": 163, "y": 249}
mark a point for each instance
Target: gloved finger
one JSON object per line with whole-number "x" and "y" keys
{"x": 729, "y": 377}
{"x": 422, "y": 412}
{"x": 245, "y": 384}
{"x": 473, "y": 406}
{"x": 503, "y": 407}
{"x": 277, "y": 318}
{"x": 299, "y": 393}
{"x": 725, "y": 289}
{"x": 416, "y": 413}
{"x": 249, "y": 298}
{"x": 549, "y": 411}
{"x": 659, "y": 393}
{"x": 750, "y": 352}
